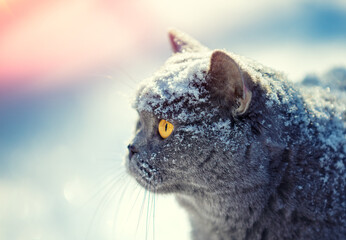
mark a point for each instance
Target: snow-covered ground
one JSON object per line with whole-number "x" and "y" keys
{"x": 61, "y": 149}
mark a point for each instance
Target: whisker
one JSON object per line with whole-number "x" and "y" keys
{"x": 126, "y": 73}
{"x": 141, "y": 211}
{"x": 115, "y": 193}
{"x": 146, "y": 224}
{"x": 104, "y": 200}
{"x": 154, "y": 215}
{"x": 93, "y": 219}
{"x": 134, "y": 203}
{"x": 151, "y": 212}
{"x": 125, "y": 188}
{"x": 110, "y": 77}
{"x": 106, "y": 170}
{"x": 113, "y": 179}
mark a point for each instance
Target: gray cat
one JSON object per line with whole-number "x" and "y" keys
{"x": 245, "y": 153}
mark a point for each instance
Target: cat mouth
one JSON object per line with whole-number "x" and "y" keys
{"x": 155, "y": 180}
{"x": 145, "y": 174}
{"x": 152, "y": 179}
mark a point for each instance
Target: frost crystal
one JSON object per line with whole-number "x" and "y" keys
{"x": 174, "y": 87}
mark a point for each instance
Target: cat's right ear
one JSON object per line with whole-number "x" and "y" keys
{"x": 226, "y": 83}
{"x": 181, "y": 42}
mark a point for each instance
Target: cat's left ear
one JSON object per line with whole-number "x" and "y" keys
{"x": 226, "y": 83}
{"x": 181, "y": 42}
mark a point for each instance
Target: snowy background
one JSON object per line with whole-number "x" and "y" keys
{"x": 67, "y": 71}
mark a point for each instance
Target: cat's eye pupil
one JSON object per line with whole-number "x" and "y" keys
{"x": 165, "y": 128}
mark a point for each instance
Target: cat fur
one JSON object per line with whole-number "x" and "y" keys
{"x": 252, "y": 156}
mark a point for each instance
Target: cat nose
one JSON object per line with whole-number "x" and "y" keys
{"x": 132, "y": 150}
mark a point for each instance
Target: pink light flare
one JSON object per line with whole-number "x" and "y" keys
{"x": 45, "y": 38}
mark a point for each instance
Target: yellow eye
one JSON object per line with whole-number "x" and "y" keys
{"x": 165, "y": 128}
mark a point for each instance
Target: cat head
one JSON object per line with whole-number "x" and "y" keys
{"x": 199, "y": 121}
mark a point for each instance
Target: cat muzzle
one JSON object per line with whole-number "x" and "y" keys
{"x": 132, "y": 150}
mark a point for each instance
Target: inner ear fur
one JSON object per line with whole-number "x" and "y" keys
{"x": 226, "y": 83}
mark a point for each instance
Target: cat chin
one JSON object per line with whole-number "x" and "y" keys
{"x": 152, "y": 185}
{"x": 155, "y": 181}
{"x": 170, "y": 188}
{"x": 148, "y": 180}
{"x": 157, "y": 188}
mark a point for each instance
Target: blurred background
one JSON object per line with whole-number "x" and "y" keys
{"x": 68, "y": 70}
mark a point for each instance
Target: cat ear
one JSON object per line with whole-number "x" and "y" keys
{"x": 226, "y": 83}
{"x": 181, "y": 42}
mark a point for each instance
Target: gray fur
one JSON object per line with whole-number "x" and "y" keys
{"x": 275, "y": 172}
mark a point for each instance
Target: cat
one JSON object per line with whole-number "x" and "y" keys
{"x": 245, "y": 152}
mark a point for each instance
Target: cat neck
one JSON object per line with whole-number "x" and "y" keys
{"x": 224, "y": 213}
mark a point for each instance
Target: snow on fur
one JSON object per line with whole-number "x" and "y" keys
{"x": 305, "y": 116}
{"x": 177, "y": 93}
{"x": 177, "y": 83}
{"x": 180, "y": 83}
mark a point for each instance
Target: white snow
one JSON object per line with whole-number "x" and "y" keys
{"x": 174, "y": 85}
{"x": 176, "y": 91}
